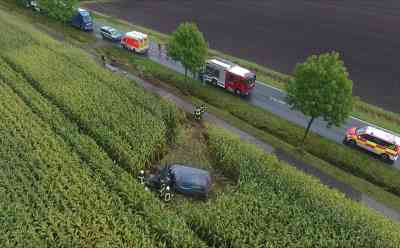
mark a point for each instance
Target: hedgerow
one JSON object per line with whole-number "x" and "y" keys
{"x": 274, "y": 205}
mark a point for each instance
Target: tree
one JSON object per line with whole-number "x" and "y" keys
{"x": 321, "y": 88}
{"x": 187, "y": 45}
{"x": 62, "y": 10}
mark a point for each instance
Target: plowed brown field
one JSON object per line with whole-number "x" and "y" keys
{"x": 280, "y": 33}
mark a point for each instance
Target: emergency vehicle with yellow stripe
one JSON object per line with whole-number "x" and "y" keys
{"x": 135, "y": 41}
{"x": 374, "y": 140}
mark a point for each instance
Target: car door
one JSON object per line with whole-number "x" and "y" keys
{"x": 108, "y": 34}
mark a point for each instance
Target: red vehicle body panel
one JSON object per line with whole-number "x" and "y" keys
{"x": 131, "y": 42}
{"x": 351, "y": 131}
{"x": 234, "y": 82}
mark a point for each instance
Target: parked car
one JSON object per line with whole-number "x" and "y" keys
{"x": 111, "y": 33}
{"x": 178, "y": 178}
{"x": 135, "y": 41}
{"x": 382, "y": 143}
{"x": 82, "y": 20}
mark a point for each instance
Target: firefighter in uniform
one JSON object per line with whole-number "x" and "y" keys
{"x": 199, "y": 111}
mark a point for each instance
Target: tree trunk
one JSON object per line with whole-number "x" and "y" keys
{"x": 307, "y": 130}
{"x": 186, "y": 74}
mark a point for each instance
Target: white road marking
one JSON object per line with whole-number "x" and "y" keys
{"x": 351, "y": 117}
{"x": 277, "y": 100}
{"x": 270, "y": 86}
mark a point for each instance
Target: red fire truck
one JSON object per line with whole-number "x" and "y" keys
{"x": 228, "y": 75}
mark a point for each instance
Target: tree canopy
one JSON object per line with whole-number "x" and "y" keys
{"x": 187, "y": 45}
{"x": 321, "y": 88}
{"x": 61, "y": 10}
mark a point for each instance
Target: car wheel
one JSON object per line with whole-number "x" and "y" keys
{"x": 238, "y": 92}
{"x": 385, "y": 157}
{"x": 352, "y": 143}
{"x": 214, "y": 82}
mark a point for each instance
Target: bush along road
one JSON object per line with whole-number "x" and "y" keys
{"x": 210, "y": 118}
{"x": 268, "y": 98}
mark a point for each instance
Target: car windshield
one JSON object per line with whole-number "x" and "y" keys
{"x": 114, "y": 32}
{"x": 165, "y": 172}
{"x": 250, "y": 80}
{"x": 360, "y": 130}
{"x": 87, "y": 18}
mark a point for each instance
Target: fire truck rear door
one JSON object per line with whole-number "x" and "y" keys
{"x": 221, "y": 79}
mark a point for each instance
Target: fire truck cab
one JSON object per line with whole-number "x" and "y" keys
{"x": 135, "y": 41}
{"x": 230, "y": 76}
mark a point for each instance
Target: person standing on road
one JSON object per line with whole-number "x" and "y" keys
{"x": 159, "y": 49}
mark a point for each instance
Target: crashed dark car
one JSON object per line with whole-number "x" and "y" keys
{"x": 183, "y": 179}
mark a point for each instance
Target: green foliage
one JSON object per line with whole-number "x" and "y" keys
{"x": 61, "y": 10}
{"x": 188, "y": 46}
{"x": 321, "y": 88}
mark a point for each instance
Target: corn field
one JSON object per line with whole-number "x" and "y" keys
{"x": 84, "y": 121}
{"x": 73, "y": 136}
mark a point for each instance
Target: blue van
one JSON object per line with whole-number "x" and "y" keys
{"x": 82, "y": 20}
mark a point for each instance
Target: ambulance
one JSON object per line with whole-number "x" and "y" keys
{"x": 135, "y": 41}
{"x": 374, "y": 140}
{"x": 228, "y": 75}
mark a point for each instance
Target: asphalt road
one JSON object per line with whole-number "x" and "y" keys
{"x": 280, "y": 33}
{"x": 269, "y": 98}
